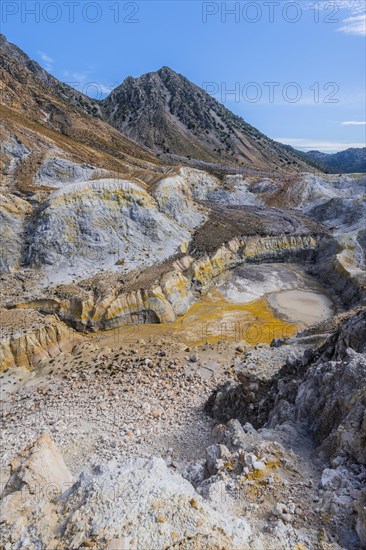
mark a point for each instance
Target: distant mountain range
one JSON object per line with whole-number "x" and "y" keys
{"x": 346, "y": 162}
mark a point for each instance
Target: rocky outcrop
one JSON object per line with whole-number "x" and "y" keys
{"x": 36, "y": 466}
{"x": 38, "y": 475}
{"x": 13, "y": 212}
{"x": 169, "y": 296}
{"x": 321, "y": 386}
{"x": 319, "y": 390}
{"x": 339, "y": 203}
{"x": 176, "y": 195}
{"x": 156, "y": 295}
{"x": 137, "y": 504}
{"x": 331, "y": 400}
{"x": 57, "y": 172}
{"x": 28, "y": 338}
{"x": 254, "y": 249}
{"x": 93, "y": 226}
{"x": 234, "y": 190}
{"x": 337, "y": 269}
{"x": 312, "y": 193}
{"x": 330, "y": 397}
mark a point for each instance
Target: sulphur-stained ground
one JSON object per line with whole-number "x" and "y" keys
{"x": 144, "y": 398}
{"x": 139, "y": 390}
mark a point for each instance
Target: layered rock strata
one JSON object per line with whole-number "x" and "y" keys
{"x": 160, "y": 294}
{"x": 27, "y": 338}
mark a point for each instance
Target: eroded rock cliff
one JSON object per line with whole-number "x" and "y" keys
{"x": 27, "y": 338}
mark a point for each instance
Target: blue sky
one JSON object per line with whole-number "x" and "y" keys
{"x": 295, "y": 69}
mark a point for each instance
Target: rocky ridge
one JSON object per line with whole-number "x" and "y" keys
{"x": 153, "y": 506}
{"x": 163, "y": 111}
{"x": 349, "y": 161}
{"x": 162, "y": 293}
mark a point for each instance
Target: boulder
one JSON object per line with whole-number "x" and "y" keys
{"x": 139, "y": 503}
{"x": 39, "y": 475}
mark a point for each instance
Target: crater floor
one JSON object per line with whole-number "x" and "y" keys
{"x": 254, "y": 303}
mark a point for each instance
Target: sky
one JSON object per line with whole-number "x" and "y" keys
{"x": 294, "y": 70}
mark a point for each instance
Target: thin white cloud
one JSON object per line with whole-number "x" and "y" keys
{"x": 47, "y": 60}
{"x": 77, "y": 78}
{"x": 353, "y": 123}
{"x": 325, "y": 146}
{"x": 81, "y": 78}
{"x": 83, "y": 82}
{"x": 354, "y": 25}
{"x": 355, "y": 21}
{"x": 106, "y": 89}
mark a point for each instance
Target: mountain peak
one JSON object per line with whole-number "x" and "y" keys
{"x": 167, "y": 70}
{"x": 169, "y": 114}
{"x": 161, "y": 73}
